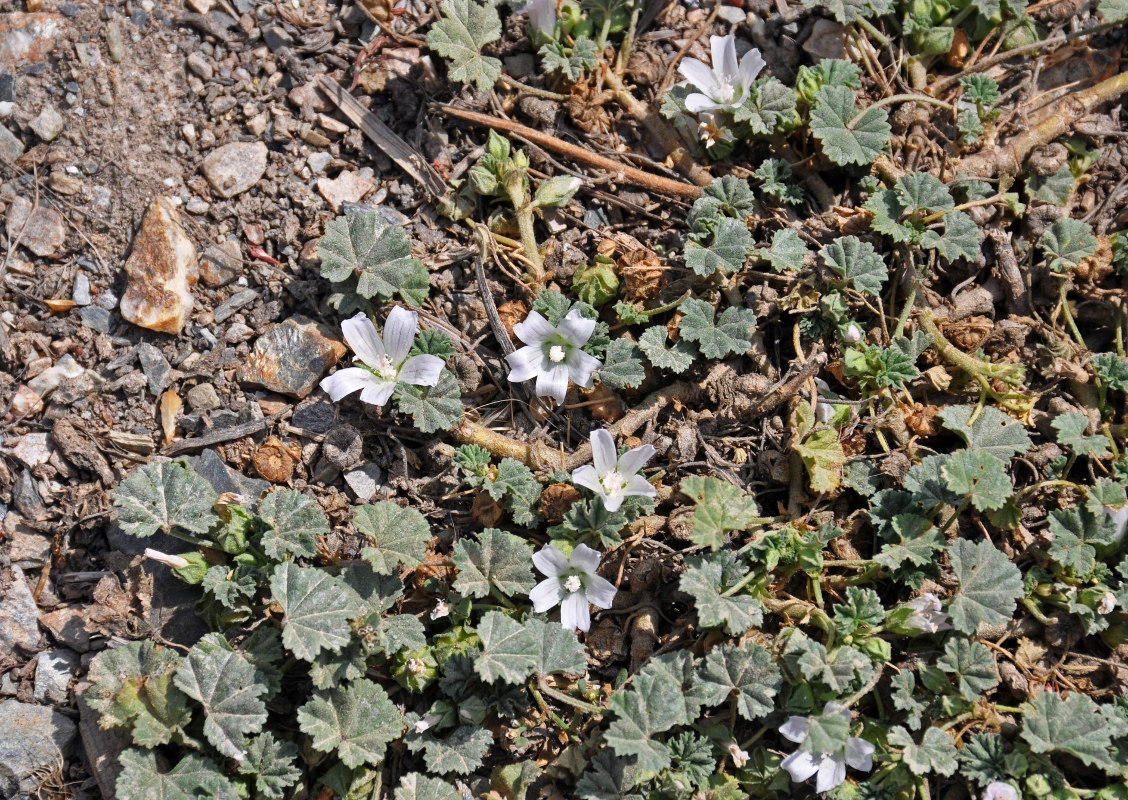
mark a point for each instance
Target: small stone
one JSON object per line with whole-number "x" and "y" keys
{"x": 348, "y": 187}
{"x": 238, "y": 332}
{"x": 318, "y": 161}
{"x": 32, "y": 449}
{"x": 203, "y": 397}
{"x": 48, "y": 125}
{"x": 197, "y": 206}
{"x": 10, "y": 146}
{"x": 234, "y": 303}
{"x": 41, "y": 230}
{"x": 19, "y": 618}
{"x": 89, "y": 55}
{"x": 95, "y": 318}
{"x": 224, "y": 479}
{"x": 235, "y": 167}
{"x": 68, "y": 626}
{"x": 7, "y": 87}
{"x": 161, "y": 268}
{"x": 36, "y": 740}
{"x": 28, "y": 550}
{"x": 201, "y": 6}
{"x": 198, "y": 63}
{"x": 80, "y": 293}
{"x": 826, "y": 40}
{"x": 26, "y": 499}
{"x": 115, "y": 42}
{"x": 139, "y": 17}
{"x": 155, "y": 366}
{"x": 54, "y": 670}
{"x": 221, "y": 264}
{"x": 343, "y": 447}
{"x": 47, "y": 381}
{"x": 291, "y": 357}
{"x": 521, "y": 65}
{"x": 365, "y": 482}
{"x": 28, "y": 37}
{"x": 315, "y": 418}
{"x": 64, "y": 184}
{"x": 276, "y": 37}
{"x": 309, "y": 96}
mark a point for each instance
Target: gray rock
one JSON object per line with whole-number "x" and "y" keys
{"x": 520, "y": 65}
{"x": 224, "y": 479}
{"x": 96, "y": 318}
{"x": 197, "y": 206}
{"x": 7, "y": 87}
{"x": 221, "y": 264}
{"x": 80, "y": 294}
{"x": 155, "y": 366}
{"x": 10, "y": 145}
{"x": 103, "y": 748}
{"x": 343, "y": 447}
{"x": 315, "y": 417}
{"x": 25, "y": 497}
{"x": 235, "y": 168}
{"x": 54, "y": 670}
{"x": 36, "y": 739}
{"x": 365, "y": 482}
{"x": 19, "y": 618}
{"x": 291, "y": 357}
{"x": 234, "y": 303}
{"x": 68, "y": 627}
{"x": 198, "y": 63}
{"x": 28, "y": 550}
{"x": 203, "y": 397}
{"x": 276, "y": 37}
{"x": 115, "y": 42}
{"x": 48, "y": 125}
{"x": 41, "y": 230}
{"x": 319, "y": 161}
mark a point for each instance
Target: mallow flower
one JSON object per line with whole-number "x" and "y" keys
{"x": 998, "y": 790}
{"x": 927, "y": 615}
{"x": 572, "y": 582}
{"x": 614, "y": 477}
{"x": 384, "y": 362}
{"x": 725, "y": 85}
{"x": 831, "y": 767}
{"x": 553, "y": 354}
{"x": 542, "y": 17}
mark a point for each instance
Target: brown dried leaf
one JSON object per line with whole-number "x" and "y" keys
{"x": 170, "y": 409}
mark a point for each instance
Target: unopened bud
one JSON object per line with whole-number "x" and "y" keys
{"x": 175, "y": 562}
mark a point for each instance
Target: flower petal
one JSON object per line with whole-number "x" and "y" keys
{"x": 581, "y": 365}
{"x": 554, "y": 383}
{"x": 377, "y": 393}
{"x": 795, "y": 729}
{"x": 574, "y": 612}
{"x": 600, "y": 592}
{"x": 635, "y": 459}
{"x": 550, "y": 561}
{"x": 526, "y": 363}
{"x": 859, "y": 753}
{"x": 699, "y": 102}
{"x": 639, "y": 486}
{"x": 832, "y": 772}
{"x": 800, "y": 765}
{"x": 724, "y": 56}
{"x": 344, "y": 382}
{"x": 362, "y": 337}
{"x": 698, "y": 73}
{"x": 612, "y": 502}
{"x": 546, "y": 594}
{"x": 750, "y": 66}
{"x": 603, "y": 452}
{"x": 422, "y": 370}
{"x": 587, "y": 477}
{"x": 399, "y": 333}
{"x": 583, "y": 557}
{"x": 576, "y": 328}
{"x": 535, "y": 329}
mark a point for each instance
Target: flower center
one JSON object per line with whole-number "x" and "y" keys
{"x": 556, "y": 354}
{"x": 725, "y": 91}
{"x": 573, "y": 584}
{"x": 385, "y": 369}
{"x": 613, "y": 482}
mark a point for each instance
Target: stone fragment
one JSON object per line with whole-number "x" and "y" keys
{"x": 19, "y": 617}
{"x": 35, "y": 741}
{"x": 48, "y": 125}
{"x": 95, "y": 318}
{"x": 103, "y": 747}
{"x": 315, "y": 417}
{"x": 115, "y": 42}
{"x": 291, "y": 357}
{"x": 80, "y": 293}
{"x": 365, "y": 482}
{"x": 68, "y": 626}
{"x": 41, "y": 230}
{"x": 348, "y": 187}
{"x": 10, "y": 145}
{"x": 89, "y": 54}
{"x": 28, "y": 37}
{"x": 343, "y": 447}
{"x": 203, "y": 397}
{"x": 235, "y": 167}
{"x": 307, "y": 95}
{"x": 28, "y": 549}
{"x": 160, "y": 270}
{"x": 199, "y": 64}
{"x": 826, "y": 40}
{"x": 32, "y": 449}
{"x": 54, "y": 670}
{"x": 224, "y": 479}
{"x": 221, "y": 264}
{"x": 224, "y": 311}
{"x": 276, "y": 37}
{"x": 155, "y": 366}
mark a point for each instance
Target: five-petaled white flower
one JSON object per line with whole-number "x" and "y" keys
{"x": 614, "y": 477}
{"x": 831, "y": 767}
{"x": 927, "y": 615}
{"x": 725, "y": 85}
{"x": 572, "y": 582}
{"x": 553, "y": 354}
{"x": 998, "y": 790}
{"x": 385, "y": 360}
{"x": 542, "y": 16}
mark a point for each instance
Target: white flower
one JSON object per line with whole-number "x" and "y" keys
{"x": 853, "y": 334}
{"x": 1120, "y": 517}
{"x": 552, "y": 355}
{"x": 1108, "y": 603}
{"x": 614, "y": 477}
{"x": 542, "y": 16}
{"x": 831, "y": 767}
{"x": 739, "y": 757}
{"x": 711, "y": 133}
{"x": 725, "y": 85}
{"x": 426, "y": 722}
{"x": 385, "y": 360}
{"x": 440, "y": 610}
{"x": 998, "y": 790}
{"x": 927, "y": 615}
{"x": 572, "y": 582}
{"x": 175, "y": 562}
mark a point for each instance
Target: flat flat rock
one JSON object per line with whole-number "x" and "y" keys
{"x": 41, "y": 230}
{"x": 103, "y": 748}
{"x": 34, "y": 738}
{"x": 291, "y": 357}
{"x": 28, "y": 38}
{"x": 67, "y": 626}
{"x": 221, "y": 263}
{"x": 235, "y": 168}
{"x": 155, "y": 366}
{"x": 48, "y": 125}
{"x": 19, "y": 617}
{"x": 10, "y": 145}
{"x": 54, "y": 670}
{"x": 161, "y": 270}
{"x": 348, "y": 187}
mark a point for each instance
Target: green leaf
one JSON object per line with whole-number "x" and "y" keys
{"x": 622, "y": 366}
{"x": 520, "y": 488}
{"x": 993, "y": 431}
{"x": 730, "y": 334}
{"x": 677, "y": 359}
{"x": 317, "y": 608}
{"x": 972, "y": 663}
{"x": 678, "y": 669}
{"x": 731, "y": 246}
{"x": 936, "y": 752}
{"x": 1056, "y": 188}
{"x": 164, "y": 496}
{"x": 862, "y": 609}
{"x": 509, "y": 650}
{"x": 887, "y": 210}
{"x": 849, "y": 11}
{"x": 414, "y": 786}
{"x": 845, "y": 141}
{"x": 787, "y": 251}
{"x": 775, "y": 175}
{"x": 720, "y": 508}
{"x": 293, "y": 521}
{"x": 744, "y": 673}
{"x": 769, "y": 104}
{"x": 922, "y": 192}
{"x": 1113, "y": 10}
{"x": 571, "y": 62}
{"x": 1071, "y": 429}
{"x": 918, "y": 542}
{"x": 989, "y": 586}
{"x": 1077, "y": 533}
{"x": 226, "y": 685}
{"x": 333, "y": 669}
{"x": 377, "y": 591}
{"x": 823, "y": 456}
{"x": 193, "y": 777}
{"x": 590, "y": 522}
{"x": 980, "y": 89}
{"x": 432, "y": 343}
{"x": 133, "y": 688}
{"x": 432, "y": 408}
{"x": 398, "y": 535}
{"x": 609, "y": 777}
{"x": 651, "y": 706}
{"x": 497, "y": 559}
{"x": 272, "y": 763}
{"x": 902, "y": 685}
{"x": 1068, "y": 242}
{"x": 961, "y": 237}
{"x": 1074, "y": 726}
{"x": 459, "y": 754}
{"x": 559, "y": 652}
{"x": 365, "y": 246}
{"x": 706, "y": 579}
{"x": 980, "y": 476}
{"x": 727, "y": 196}
{"x": 879, "y": 367}
{"x": 984, "y": 759}
{"x": 467, "y": 27}
{"x": 1111, "y": 369}
{"x": 857, "y": 263}
{"x": 357, "y": 721}
{"x": 827, "y": 733}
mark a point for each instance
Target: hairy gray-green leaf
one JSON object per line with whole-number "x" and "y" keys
{"x": 194, "y": 777}
{"x": 989, "y": 586}
{"x": 731, "y": 333}
{"x": 414, "y": 786}
{"x": 399, "y": 535}
{"x": 366, "y": 246}
{"x": 720, "y": 508}
{"x": 972, "y": 663}
{"x": 164, "y": 496}
{"x": 935, "y": 753}
{"x": 558, "y": 650}
{"x": 509, "y": 650}
{"x": 678, "y": 668}
{"x": 622, "y": 366}
{"x": 980, "y": 476}
{"x": 226, "y": 685}
{"x": 920, "y": 191}
{"x": 497, "y": 559}
{"x": 357, "y": 721}
{"x": 458, "y": 754}
{"x": 729, "y": 250}
{"x": 294, "y": 522}
{"x": 857, "y": 263}
{"x": 787, "y": 251}
{"x": 651, "y": 706}
{"x": 961, "y": 237}
{"x": 272, "y": 763}
{"x": 465, "y": 28}
{"x": 1068, "y": 242}
{"x": 844, "y": 140}
{"x": 1071, "y": 429}
{"x": 677, "y": 359}
{"x": 706, "y": 580}
{"x": 744, "y": 673}
{"x": 432, "y": 408}
{"x": 609, "y": 777}
{"x": 993, "y": 431}
{"x": 317, "y": 608}
{"x": 133, "y": 688}
{"x": 1073, "y": 725}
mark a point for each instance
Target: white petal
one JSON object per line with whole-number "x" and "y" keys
{"x": 635, "y": 459}
{"x": 600, "y": 592}
{"x": 832, "y": 707}
{"x": 581, "y": 365}
{"x": 421, "y": 370}
{"x": 585, "y": 558}
{"x": 535, "y": 329}
{"x": 362, "y": 337}
{"x": 546, "y": 594}
{"x": 639, "y": 486}
{"x": 724, "y": 55}
{"x": 800, "y": 765}
{"x": 399, "y": 333}
{"x": 576, "y": 328}
{"x": 699, "y": 102}
{"x": 750, "y": 66}
{"x": 574, "y": 612}
{"x": 378, "y": 392}
{"x": 550, "y": 561}
{"x": 526, "y": 363}
{"x": 795, "y": 729}
{"x": 612, "y": 502}
{"x": 586, "y": 476}
{"x": 554, "y": 383}
{"x": 344, "y": 382}
{"x": 603, "y": 452}
{"x": 831, "y": 773}
{"x": 699, "y": 74}
{"x": 859, "y": 753}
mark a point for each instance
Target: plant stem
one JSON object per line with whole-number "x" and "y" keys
{"x": 868, "y": 27}
{"x": 899, "y": 98}
{"x": 872, "y": 682}
{"x": 513, "y": 83}
{"x": 962, "y": 507}
{"x": 582, "y": 705}
{"x": 1063, "y": 292}
{"x": 548, "y": 711}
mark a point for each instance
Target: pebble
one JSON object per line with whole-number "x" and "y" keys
{"x": 365, "y": 482}
{"x": 155, "y": 366}
{"x": 197, "y": 206}
{"x": 238, "y": 332}
{"x": 33, "y": 449}
{"x": 199, "y": 64}
{"x": 221, "y": 264}
{"x": 115, "y": 42}
{"x": 35, "y": 740}
{"x": 25, "y": 497}
{"x": 89, "y": 55}
{"x": 319, "y": 161}
{"x": 234, "y": 303}
{"x": 47, "y": 381}
{"x": 28, "y": 550}
{"x": 161, "y": 269}
{"x": 224, "y": 479}
{"x": 68, "y": 627}
{"x": 95, "y": 318}
{"x": 28, "y": 37}
{"x": 235, "y": 167}
{"x": 54, "y": 670}
{"x": 343, "y": 447}
{"x": 826, "y": 40}
{"x": 41, "y": 230}
{"x": 348, "y": 187}
{"x": 7, "y": 87}
{"x": 291, "y": 357}
{"x": 315, "y": 417}
{"x": 10, "y": 146}
{"x": 19, "y": 619}
{"x": 276, "y": 37}
{"x": 203, "y": 397}
{"x": 48, "y": 125}
{"x": 80, "y": 294}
